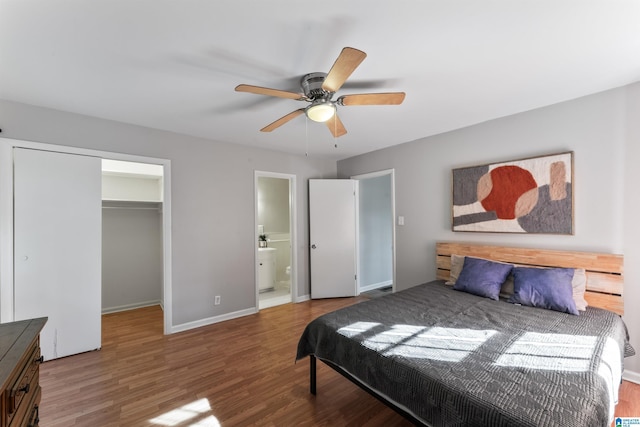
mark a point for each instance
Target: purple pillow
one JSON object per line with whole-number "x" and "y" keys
{"x": 548, "y": 288}
{"x": 482, "y": 277}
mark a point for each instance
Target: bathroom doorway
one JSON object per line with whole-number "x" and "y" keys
{"x": 275, "y": 239}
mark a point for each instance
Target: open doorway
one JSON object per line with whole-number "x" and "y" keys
{"x": 275, "y": 239}
{"x": 132, "y": 211}
{"x": 376, "y": 232}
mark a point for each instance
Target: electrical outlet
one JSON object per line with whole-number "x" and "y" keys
{"x": 217, "y": 300}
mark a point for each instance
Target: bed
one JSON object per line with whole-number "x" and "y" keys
{"x": 441, "y": 356}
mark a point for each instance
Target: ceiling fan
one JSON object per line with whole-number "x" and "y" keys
{"x": 318, "y": 90}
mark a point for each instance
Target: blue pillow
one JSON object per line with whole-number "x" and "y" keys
{"x": 482, "y": 277}
{"x": 548, "y": 288}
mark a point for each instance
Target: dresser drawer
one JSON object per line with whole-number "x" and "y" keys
{"x": 33, "y": 418}
{"x": 24, "y": 394}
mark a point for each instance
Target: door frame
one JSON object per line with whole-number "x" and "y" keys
{"x": 293, "y": 226}
{"x": 376, "y": 174}
{"x": 6, "y": 219}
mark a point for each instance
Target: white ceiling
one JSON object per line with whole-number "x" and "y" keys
{"x": 174, "y": 64}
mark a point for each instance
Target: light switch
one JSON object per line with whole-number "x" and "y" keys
{"x": 400, "y": 220}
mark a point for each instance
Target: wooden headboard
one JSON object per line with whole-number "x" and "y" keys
{"x": 603, "y": 271}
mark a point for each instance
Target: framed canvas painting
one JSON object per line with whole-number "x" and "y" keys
{"x": 533, "y": 195}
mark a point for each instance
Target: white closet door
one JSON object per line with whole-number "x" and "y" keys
{"x": 57, "y": 255}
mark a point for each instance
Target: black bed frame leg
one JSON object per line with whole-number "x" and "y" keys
{"x": 312, "y": 374}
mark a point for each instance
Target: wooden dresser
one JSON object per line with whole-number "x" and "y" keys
{"x": 19, "y": 372}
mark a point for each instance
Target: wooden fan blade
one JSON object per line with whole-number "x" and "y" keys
{"x": 347, "y": 62}
{"x": 258, "y": 90}
{"x": 393, "y": 98}
{"x": 335, "y": 126}
{"x": 282, "y": 120}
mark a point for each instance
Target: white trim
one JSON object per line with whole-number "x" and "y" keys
{"x": 293, "y": 226}
{"x": 384, "y": 172}
{"x": 376, "y": 286}
{"x": 302, "y": 298}
{"x": 6, "y": 231}
{"x": 128, "y": 307}
{"x": 215, "y": 319}
{"x": 632, "y": 376}
{"x": 6, "y": 218}
{"x": 356, "y": 202}
{"x": 167, "y": 290}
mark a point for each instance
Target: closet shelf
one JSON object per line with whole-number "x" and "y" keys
{"x": 130, "y": 204}
{"x": 130, "y": 201}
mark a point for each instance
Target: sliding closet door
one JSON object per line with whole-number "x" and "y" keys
{"x": 57, "y": 255}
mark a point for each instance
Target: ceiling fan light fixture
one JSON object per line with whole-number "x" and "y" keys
{"x": 319, "y": 88}
{"x": 321, "y": 111}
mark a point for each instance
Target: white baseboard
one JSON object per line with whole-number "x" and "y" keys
{"x": 212, "y": 320}
{"x": 127, "y": 307}
{"x": 302, "y": 298}
{"x": 375, "y": 286}
{"x": 634, "y": 377}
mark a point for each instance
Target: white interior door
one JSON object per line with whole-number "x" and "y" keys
{"x": 332, "y": 223}
{"x": 57, "y": 241}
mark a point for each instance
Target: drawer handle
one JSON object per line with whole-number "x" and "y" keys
{"x": 39, "y": 359}
{"x": 12, "y": 396}
{"x": 36, "y": 420}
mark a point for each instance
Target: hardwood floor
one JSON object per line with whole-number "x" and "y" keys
{"x": 235, "y": 373}
{"x": 628, "y": 400}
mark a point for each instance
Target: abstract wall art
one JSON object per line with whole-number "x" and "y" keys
{"x": 533, "y": 195}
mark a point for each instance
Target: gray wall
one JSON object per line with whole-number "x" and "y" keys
{"x": 213, "y": 240}
{"x": 131, "y": 254}
{"x": 376, "y": 231}
{"x": 601, "y": 129}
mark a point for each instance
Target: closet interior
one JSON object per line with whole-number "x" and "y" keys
{"x": 132, "y": 270}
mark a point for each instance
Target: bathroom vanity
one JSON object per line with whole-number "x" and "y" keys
{"x": 266, "y": 269}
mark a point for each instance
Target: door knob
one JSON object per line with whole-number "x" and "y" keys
{"x": 313, "y": 246}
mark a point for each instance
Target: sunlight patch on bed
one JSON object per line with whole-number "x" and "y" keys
{"x": 437, "y": 343}
{"x": 561, "y": 352}
{"x": 357, "y": 328}
{"x": 188, "y": 412}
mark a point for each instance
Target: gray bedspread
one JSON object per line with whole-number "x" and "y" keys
{"x": 455, "y": 359}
